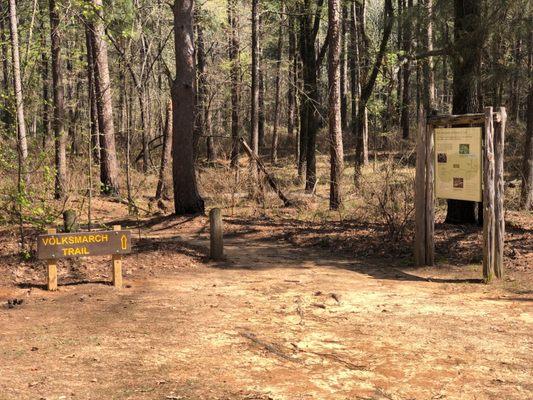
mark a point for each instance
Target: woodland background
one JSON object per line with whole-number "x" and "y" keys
{"x": 98, "y": 97}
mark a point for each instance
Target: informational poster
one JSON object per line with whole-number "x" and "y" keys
{"x": 458, "y": 164}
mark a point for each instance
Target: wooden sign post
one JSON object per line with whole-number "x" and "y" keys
{"x": 216, "y": 249}
{"x": 54, "y": 246}
{"x": 469, "y": 161}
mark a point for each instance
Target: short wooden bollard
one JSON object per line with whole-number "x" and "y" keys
{"x": 69, "y": 221}
{"x": 216, "y": 231}
{"x": 117, "y": 265}
{"x": 51, "y": 268}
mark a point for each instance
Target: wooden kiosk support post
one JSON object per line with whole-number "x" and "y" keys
{"x": 424, "y": 196}
{"x": 499, "y": 192}
{"x": 216, "y": 234}
{"x": 493, "y": 131}
{"x": 488, "y": 196}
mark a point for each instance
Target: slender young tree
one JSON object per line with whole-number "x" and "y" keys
{"x": 5, "y": 116}
{"x": 429, "y": 76}
{"x": 279, "y": 60}
{"x": 292, "y": 81}
{"x": 344, "y": 66}
{"x": 201, "y": 81}
{"x": 261, "y": 103}
{"x": 254, "y": 118}
{"x": 407, "y": 37}
{"x": 309, "y": 16}
{"x": 46, "y": 122}
{"x": 368, "y": 88}
{"x": 234, "y": 52}
{"x": 335, "y": 125}
{"x": 204, "y": 110}
{"x": 60, "y": 137}
{"x": 187, "y": 199}
{"x": 355, "y": 65}
{"x": 93, "y": 109}
{"x": 166, "y": 154}
{"x": 17, "y": 84}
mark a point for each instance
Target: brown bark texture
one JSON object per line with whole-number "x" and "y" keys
{"x": 187, "y": 199}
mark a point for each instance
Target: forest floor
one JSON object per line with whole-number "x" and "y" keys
{"x": 299, "y": 310}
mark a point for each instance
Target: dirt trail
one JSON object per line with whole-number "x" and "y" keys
{"x": 273, "y": 322}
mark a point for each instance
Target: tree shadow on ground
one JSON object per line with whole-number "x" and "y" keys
{"x": 244, "y": 253}
{"x": 29, "y": 285}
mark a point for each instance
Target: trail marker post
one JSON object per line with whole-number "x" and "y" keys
{"x": 461, "y": 157}
{"x": 53, "y": 246}
{"x": 216, "y": 251}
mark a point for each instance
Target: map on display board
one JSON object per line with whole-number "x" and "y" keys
{"x": 458, "y": 163}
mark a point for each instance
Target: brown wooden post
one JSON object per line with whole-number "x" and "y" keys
{"x": 499, "y": 192}
{"x": 488, "y": 196}
{"x": 216, "y": 232}
{"x": 420, "y": 191}
{"x": 117, "y": 265}
{"x": 69, "y": 221}
{"x": 51, "y": 268}
{"x": 430, "y": 199}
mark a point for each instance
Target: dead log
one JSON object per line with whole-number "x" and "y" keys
{"x": 270, "y": 178}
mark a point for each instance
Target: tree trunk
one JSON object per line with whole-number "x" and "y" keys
{"x": 5, "y": 116}
{"x": 344, "y": 67}
{"x": 204, "y": 111}
{"x": 108, "y": 156}
{"x": 144, "y": 107}
{"x": 526, "y": 198}
{"x": 17, "y": 83}
{"x": 142, "y": 98}
{"x": 261, "y": 109}
{"x": 234, "y": 76}
{"x": 367, "y": 90}
{"x": 254, "y": 95}
{"x": 60, "y": 137}
{"x": 71, "y": 105}
{"x": 279, "y": 55}
{"x": 445, "y": 83}
{"x": 201, "y": 93}
{"x": 399, "y": 45}
{"x": 210, "y": 141}
{"x": 468, "y": 41}
{"x": 187, "y": 200}
{"x": 93, "y": 110}
{"x": 335, "y": 104}
{"x": 291, "y": 98}
{"x": 406, "y": 70}
{"x": 309, "y": 98}
{"x": 355, "y": 69}
{"x": 527, "y": 165}
{"x": 46, "y": 127}
{"x": 166, "y": 154}
{"x": 514, "y": 95}
{"x": 429, "y": 77}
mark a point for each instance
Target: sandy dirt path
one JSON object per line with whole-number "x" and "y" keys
{"x": 273, "y": 322}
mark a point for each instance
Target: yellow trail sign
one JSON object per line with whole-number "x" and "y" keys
{"x": 83, "y": 244}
